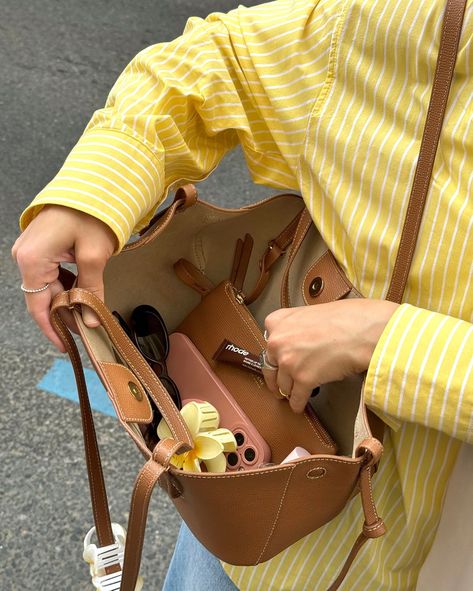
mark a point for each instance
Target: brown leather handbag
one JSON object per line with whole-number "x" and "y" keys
{"x": 191, "y": 243}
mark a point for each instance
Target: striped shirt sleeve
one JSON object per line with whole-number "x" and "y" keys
{"x": 242, "y": 77}
{"x": 422, "y": 371}
{"x": 170, "y": 117}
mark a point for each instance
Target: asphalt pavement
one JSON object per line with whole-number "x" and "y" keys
{"x": 58, "y": 60}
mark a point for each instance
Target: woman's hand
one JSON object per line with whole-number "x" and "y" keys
{"x": 314, "y": 345}
{"x": 60, "y": 234}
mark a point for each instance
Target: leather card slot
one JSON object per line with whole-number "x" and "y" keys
{"x": 131, "y": 400}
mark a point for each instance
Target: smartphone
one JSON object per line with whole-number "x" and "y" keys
{"x": 197, "y": 382}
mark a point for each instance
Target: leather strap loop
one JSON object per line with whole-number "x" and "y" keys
{"x": 193, "y": 277}
{"x": 372, "y": 449}
{"x": 186, "y": 196}
{"x": 373, "y": 526}
{"x": 303, "y": 226}
{"x": 241, "y": 261}
{"x": 276, "y": 248}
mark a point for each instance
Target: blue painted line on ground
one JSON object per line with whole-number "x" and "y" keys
{"x": 60, "y": 380}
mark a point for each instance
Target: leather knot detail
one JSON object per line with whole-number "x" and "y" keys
{"x": 164, "y": 451}
{"x": 187, "y": 195}
{"x": 375, "y": 530}
{"x": 372, "y": 449}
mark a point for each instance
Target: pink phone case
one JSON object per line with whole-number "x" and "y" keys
{"x": 196, "y": 381}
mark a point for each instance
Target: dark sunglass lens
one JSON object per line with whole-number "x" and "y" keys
{"x": 172, "y": 391}
{"x": 152, "y": 347}
{"x": 150, "y": 333}
{"x": 122, "y": 323}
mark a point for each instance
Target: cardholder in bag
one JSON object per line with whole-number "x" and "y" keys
{"x": 219, "y": 316}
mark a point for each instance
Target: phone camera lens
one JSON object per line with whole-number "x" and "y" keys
{"x": 250, "y": 454}
{"x": 240, "y": 438}
{"x": 232, "y": 459}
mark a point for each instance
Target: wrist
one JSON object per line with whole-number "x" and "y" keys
{"x": 377, "y": 315}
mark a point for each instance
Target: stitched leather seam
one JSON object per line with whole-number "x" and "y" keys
{"x": 254, "y": 473}
{"x": 126, "y": 417}
{"x": 370, "y": 488}
{"x": 143, "y": 381}
{"x": 375, "y": 526}
{"x": 88, "y": 446}
{"x": 319, "y": 475}
{"x": 276, "y": 519}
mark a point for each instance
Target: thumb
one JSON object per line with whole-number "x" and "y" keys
{"x": 90, "y": 268}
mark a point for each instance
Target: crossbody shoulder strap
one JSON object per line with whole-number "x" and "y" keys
{"x": 449, "y": 41}
{"x": 451, "y": 32}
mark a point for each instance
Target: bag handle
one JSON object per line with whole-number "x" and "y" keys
{"x": 94, "y": 468}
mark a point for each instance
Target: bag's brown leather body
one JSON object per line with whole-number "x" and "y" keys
{"x": 242, "y": 517}
{"x": 249, "y": 516}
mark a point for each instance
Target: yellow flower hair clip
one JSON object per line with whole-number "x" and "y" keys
{"x": 210, "y": 442}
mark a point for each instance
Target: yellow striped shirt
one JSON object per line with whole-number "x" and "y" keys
{"x": 327, "y": 97}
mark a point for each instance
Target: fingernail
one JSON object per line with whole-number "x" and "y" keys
{"x": 90, "y": 319}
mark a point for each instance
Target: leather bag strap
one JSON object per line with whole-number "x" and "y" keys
{"x": 374, "y": 526}
{"x": 152, "y": 470}
{"x": 276, "y": 248}
{"x": 449, "y": 41}
{"x": 142, "y": 491}
{"x": 92, "y": 455}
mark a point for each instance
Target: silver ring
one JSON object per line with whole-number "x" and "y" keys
{"x": 266, "y": 335}
{"x": 264, "y": 363}
{"x": 26, "y": 290}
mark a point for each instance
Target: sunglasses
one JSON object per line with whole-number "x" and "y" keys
{"x": 149, "y": 334}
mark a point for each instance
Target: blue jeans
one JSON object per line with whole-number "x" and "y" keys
{"x": 194, "y": 568}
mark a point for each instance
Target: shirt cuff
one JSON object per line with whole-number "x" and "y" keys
{"x": 422, "y": 372}
{"x": 110, "y": 175}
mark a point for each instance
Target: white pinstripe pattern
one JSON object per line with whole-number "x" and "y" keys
{"x": 420, "y": 335}
{"x": 435, "y": 475}
{"x": 111, "y": 170}
{"x": 457, "y": 357}
{"x": 125, "y": 155}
